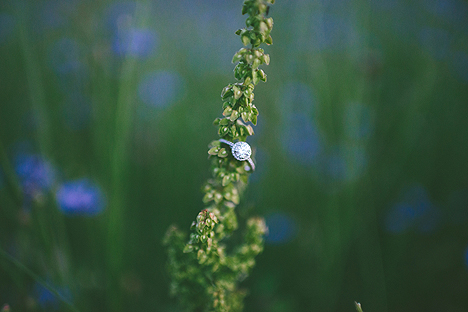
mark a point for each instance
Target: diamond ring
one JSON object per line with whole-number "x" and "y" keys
{"x": 241, "y": 151}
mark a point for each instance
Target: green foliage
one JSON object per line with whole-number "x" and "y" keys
{"x": 205, "y": 274}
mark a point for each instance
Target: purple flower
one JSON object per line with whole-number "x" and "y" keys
{"x": 80, "y": 197}
{"x": 35, "y": 174}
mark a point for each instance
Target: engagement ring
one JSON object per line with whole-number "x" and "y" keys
{"x": 241, "y": 151}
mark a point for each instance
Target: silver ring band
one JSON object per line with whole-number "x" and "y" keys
{"x": 241, "y": 151}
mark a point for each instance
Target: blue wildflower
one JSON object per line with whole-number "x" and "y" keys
{"x": 35, "y": 174}
{"x": 80, "y": 197}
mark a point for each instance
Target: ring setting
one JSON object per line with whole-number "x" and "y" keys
{"x": 241, "y": 151}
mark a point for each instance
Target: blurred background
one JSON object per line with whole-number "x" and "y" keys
{"x": 106, "y": 111}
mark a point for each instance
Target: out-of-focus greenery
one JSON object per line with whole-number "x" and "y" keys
{"x": 361, "y": 149}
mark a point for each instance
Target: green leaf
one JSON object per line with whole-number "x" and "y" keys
{"x": 223, "y": 130}
{"x": 250, "y": 130}
{"x": 254, "y": 119}
{"x": 263, "y": 27}
{"x": 269, "y": 23}
{"x": 218, "y": 197}
{"x": 256, "y": 63}
{"x": 222, "y": 152}
{"x": 227, "y": 111}
{"x": 245, "y": 40}
{"x": 234, "y": 130}
{"x": 213, "y": 150}
{"x": 255, "y": 77}
{"x": 269, "y": 40}
{"x": 263, "y": 76}
{"x": 224, "y": 122}
{"x": 237, "y": 92}
{"x": 245, "y": 8}
{"x": 188, "y": 248}
{"x": 226, "y": 180}
{"x": 236, "y": 58}
{"x": 207, "y": 198}
{"x": 245, "y": 116}
{"x": 234, "y": 115}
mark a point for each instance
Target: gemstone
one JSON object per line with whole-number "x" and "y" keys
{"x": 241, "y": 151}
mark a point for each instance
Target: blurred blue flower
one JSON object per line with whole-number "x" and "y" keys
{"x": 161, "y": 88}
{"x": 65, "y": 56}
{"x": 48, "y": 300}
{"x": 435, "y": 41}
{"x": 7, "y": 27}
{"x": 414, "y": 210}
{"x": 35, "y": 174}
{"x": 281, "y": 228}
{"x": 80, "y": 198}
{"x": 301, "y": 139}
{"x": 135, "y": 42}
